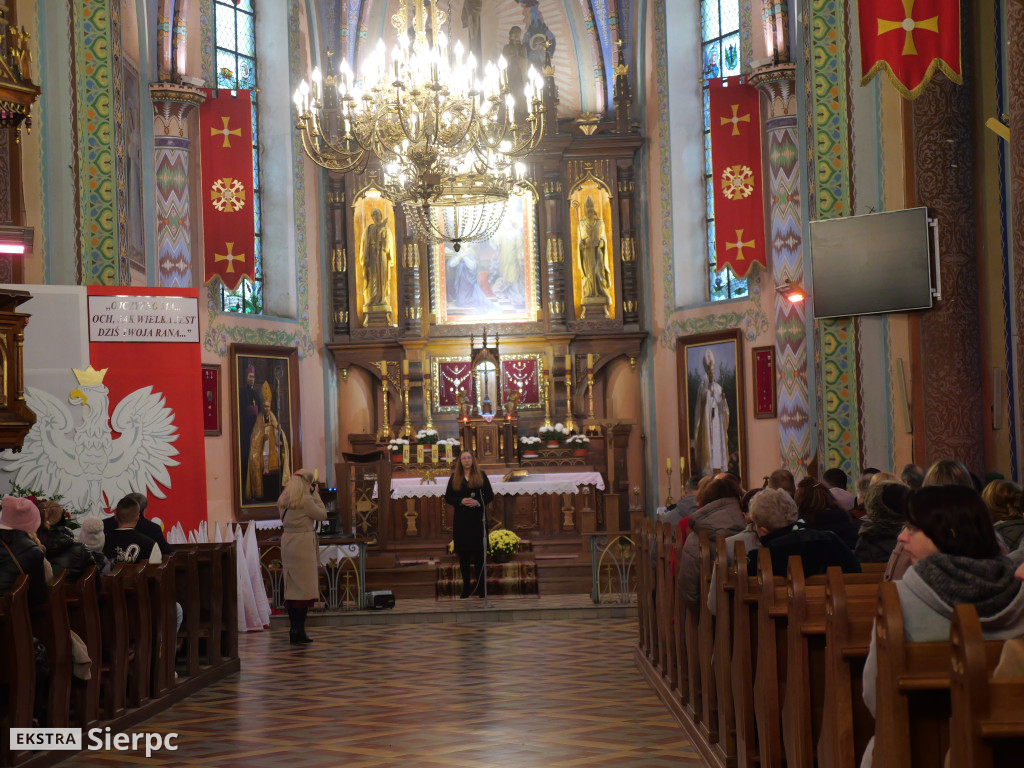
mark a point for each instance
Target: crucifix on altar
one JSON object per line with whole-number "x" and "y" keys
{"x": 488, "y": 423}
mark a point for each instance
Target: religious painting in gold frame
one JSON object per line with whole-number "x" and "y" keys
{"x": 373, "y": 222}
{"x": 494, "y": 280}
{"x": 593, "y": 275}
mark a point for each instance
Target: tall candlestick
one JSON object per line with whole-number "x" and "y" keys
{"x": 545, "y": 383}
{"x": 427, "y": 394}
{"x": 668, "y": 471}
{"x": 590, "y": 391}
{"x": 384, "y": 431}
{"x": 569, "y": 423}
{"x": 407, "y": 426}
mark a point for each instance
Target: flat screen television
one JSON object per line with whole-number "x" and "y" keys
{"x": 864, "y": 265}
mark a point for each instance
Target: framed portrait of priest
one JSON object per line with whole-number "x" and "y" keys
{"x": 711, "y": 423}
{"x": 265, "y": 425}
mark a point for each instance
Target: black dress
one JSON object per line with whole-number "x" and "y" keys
{"x": 468, "y": 522}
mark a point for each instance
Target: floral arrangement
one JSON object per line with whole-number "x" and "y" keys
{"x": 529, "y": 441}
{"x": 452, "y": 441}
{"x": 502, "y": 542}
{"x": 558, "y": 433}
{"x": 427, "y": 436}
{"x": 577, "y": 441}
{"x": 397, "y": 445}
{"x": 37, "y": 497}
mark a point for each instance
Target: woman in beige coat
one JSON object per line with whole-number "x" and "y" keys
{"x": 300, "y": 507}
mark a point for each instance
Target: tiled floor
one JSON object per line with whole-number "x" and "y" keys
{"x": 531, "y": 694}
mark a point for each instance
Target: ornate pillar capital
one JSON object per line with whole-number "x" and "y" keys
{"x": 172, "y": 103}
{"x": 778, "y": 83}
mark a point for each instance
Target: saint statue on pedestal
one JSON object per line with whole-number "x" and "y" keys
{"x": 593, "y": 246}
{"x": 377, "y": 257}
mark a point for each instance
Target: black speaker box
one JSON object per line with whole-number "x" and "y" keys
{"x": 381, "y": 598}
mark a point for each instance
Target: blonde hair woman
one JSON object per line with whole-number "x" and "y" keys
{"x": 300, "y": 508}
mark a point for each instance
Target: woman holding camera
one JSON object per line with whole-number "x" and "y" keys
{"x": 469, "y": 492}
{"x": 301, "y": 508}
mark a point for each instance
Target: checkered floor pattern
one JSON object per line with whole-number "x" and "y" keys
{"x": 547, "y": 694}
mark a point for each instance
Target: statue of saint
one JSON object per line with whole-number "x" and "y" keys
{"x": 378, "y": 257}
{"x": 592, "y": 248}
{"x": 465, "y": 406}
{"x": 471, "y": 11}
{"x": 517, "y": 56}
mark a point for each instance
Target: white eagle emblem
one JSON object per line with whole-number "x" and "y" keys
{"x": 88, "y": 467}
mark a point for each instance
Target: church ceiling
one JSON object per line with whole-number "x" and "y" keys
{"x": 582, "y": 35}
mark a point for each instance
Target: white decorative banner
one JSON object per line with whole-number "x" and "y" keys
{"x": 143, "y": 318}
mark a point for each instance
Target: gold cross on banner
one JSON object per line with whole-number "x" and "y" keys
{"x": 736, "y": 119}
{"x": 908, "y": 25}
{"x": 226, "y": 132}
{"x": 739, "y": 245}
{"x": 229, "y": 257}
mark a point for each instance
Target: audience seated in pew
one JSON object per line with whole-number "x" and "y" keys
{"x": 62, "y": 551}
{"x": 836, "y": 480}
{"x": 144, "y": 526}
{"x": 687, "y": 504}
{"x": 125, "y": 544}
{"x": 91, "y": 536}
{"x": 775, "y": 515}
{"x": 781, "y": 479}
{"x": 861, "y": 487}
{"x": 883, "y": 522}
{"x": 20, "y": 552}
{"x": 912, "y": 476}
{"x": 954, "y": 559}
{"x": 1003, "y": 500}
{"x": 748, "y": 537}
{"x": 719, "y": 514}
{"x": 820, "y": 512}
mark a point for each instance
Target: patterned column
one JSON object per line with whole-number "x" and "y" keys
{"x": 950, "y": 346}
{"x": 1015, "y": 65}
{"x": 102, "y": 218}
{"x": 827, "y": 99}
{"x": 172, "y": 104}
{"x": 787, "y": 260}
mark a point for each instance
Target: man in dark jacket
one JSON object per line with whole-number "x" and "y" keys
{"x": 125, "y": 544}
{"x": 774, "y": 514}
{"x": 147, "y": 528}
{"x": 19, "y": 554}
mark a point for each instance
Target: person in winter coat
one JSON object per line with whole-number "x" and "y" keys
{"x": 1003, "y": 501}
{"x": 883, "y": 522}
{"x": 951, "y": 543}
{"x": 821, "y": 512}
{"x": 301, "y": 509}
{"x": 63, "y": 552}
{"x": 20, "y": 553}
{"x": 468, "y": 493}
{"x": 719, "y": 513}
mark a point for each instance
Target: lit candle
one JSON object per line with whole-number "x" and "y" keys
{"x": 668, "y": 464}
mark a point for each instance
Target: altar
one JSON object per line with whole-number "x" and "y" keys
{"x": 538, "y": 483}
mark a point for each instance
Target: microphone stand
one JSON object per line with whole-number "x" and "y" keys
{"x": 483, "y": 574}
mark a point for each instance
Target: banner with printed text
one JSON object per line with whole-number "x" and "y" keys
{"x": 909, "y": 40}
{"x": 736, "y": 168}
{"x": 225, "y": 128}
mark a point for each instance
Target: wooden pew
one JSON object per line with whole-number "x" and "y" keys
{"x": 671, "y": 653}
{"x": 18, "y": 670}
{"x": 84, "y": 618}
{"x": 114, "y": 632}
{"x": 51, "y": 627}
{"x": 807, "y": 658}
{"x": 665, "y": 593}
{"x": 678, "y": 619}
{"x": 746, "y": 598}
{"x": 226, "y": 587}
{"x": 160, "y": 582}
{"x": 643, "y": 584}
{"x": 912, "y": 690}
{"x": 210, "y": 565}
{"x": 987, "y": 724}
{"x": 186, "y": 591}
{"x": 140, "y": 632}
{"x": 724, "y": 586}
{"x": 653, "y": 619}
{"x": 706, "y": 640}
{"x": 771, "y": 660}
{"x": 846, "y": 724}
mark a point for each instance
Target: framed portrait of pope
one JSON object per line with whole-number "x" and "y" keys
{"x": 711, "y": 424}
{"x": 265, "y": 429}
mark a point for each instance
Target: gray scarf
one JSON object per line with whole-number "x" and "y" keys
{"x": 988, "y": 583}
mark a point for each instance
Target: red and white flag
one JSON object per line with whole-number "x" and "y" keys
{"x": 229, "y": 242}
{"x": 736, "y": 168}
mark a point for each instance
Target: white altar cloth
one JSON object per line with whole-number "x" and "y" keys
{"x": 555, "y": 482}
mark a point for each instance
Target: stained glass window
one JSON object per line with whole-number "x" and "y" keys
{"x": 234, "y": 40}
{"x": 720, "y": 50}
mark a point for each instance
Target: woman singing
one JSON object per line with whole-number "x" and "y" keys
{"x": 469, "y": 492}
{"x": 301, "y": 508}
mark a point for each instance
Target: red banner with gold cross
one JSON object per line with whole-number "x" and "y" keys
{"x": 225, "y": 129}
{"x": 910, "y": 40}
{"x": 736, "y": 168}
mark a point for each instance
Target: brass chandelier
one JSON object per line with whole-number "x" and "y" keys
{"x": 445, "y": 133}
